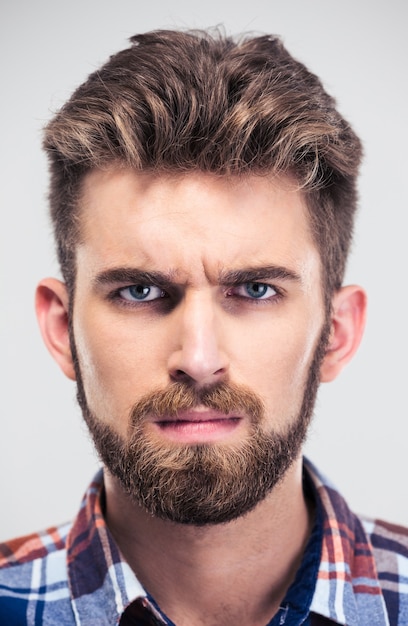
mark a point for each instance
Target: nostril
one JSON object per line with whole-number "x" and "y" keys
{"x": 180, "y": 376}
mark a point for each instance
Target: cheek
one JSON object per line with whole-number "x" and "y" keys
{"x": 278, "y": 368}
{"x": 116, "y": 367}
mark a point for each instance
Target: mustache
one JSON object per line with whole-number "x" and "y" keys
{"x": 224, "y": 397}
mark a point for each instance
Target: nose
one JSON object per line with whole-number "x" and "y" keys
{"x": 198, "y": 357}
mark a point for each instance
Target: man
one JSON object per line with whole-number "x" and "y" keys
{"x": 202, "y": 196}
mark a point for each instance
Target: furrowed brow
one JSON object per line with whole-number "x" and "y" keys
{"x": 131, "y": 276}
{"x": 252, "y": 274}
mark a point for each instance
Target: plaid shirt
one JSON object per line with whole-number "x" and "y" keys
{"x": 74, "y": 575}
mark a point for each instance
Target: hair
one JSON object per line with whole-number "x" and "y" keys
{"x": 183, "y": 101}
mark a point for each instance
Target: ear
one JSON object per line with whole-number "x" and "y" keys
{"x": 349, "y": 307}
{"x": 51, "y": 303}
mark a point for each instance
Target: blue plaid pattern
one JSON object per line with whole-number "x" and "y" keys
{"x": 74, "y": 575}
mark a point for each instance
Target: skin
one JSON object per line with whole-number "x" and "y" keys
{"x": 205, "y": 241}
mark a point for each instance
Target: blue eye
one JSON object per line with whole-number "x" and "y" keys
{"x": 141, "y": 293}
{"x": 257, "y": 291}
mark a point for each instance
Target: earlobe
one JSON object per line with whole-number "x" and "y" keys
{"x": 348, "y": 322}
{"x": 51, "y": 303}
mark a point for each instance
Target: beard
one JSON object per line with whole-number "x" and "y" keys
{"x": 201, "y": 484}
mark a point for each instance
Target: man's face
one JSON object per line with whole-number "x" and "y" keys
{"x": 193, "y": 285}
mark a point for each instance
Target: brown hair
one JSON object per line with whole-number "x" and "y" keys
{"x": 176, "y": 101}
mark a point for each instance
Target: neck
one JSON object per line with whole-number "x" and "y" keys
{"x": 241, "y": 569}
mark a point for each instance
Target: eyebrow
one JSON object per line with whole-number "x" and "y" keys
{"x": 133, "y": 276}
{"x": 262, "y": 273}
{"x": 228, "y": 278}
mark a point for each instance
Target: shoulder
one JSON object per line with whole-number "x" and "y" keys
{"x": 23, "y": 550}
{"x": 389, "y": 547}
{"x": 390, "y": 541}
{"x": 367, "y": 560}
{"x": 33, "y": 577}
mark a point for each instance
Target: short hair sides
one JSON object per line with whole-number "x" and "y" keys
{"x": 182, "y": 101}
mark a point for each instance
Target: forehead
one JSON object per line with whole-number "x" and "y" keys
{"x": 142, "y": 218}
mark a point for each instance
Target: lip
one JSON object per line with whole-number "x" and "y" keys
{"x": 198, "y": 426}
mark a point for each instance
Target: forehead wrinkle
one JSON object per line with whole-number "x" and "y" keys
{"x": 190, "y": 270}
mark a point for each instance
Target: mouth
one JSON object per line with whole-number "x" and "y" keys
{"x": 198, "y": 426}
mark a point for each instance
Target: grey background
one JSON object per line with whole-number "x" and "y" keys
{"x": 359, "y": 48}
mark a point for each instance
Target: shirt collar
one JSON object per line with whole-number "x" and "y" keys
{"x": 102, "y": 584}
{"x": 347, "y": 589}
